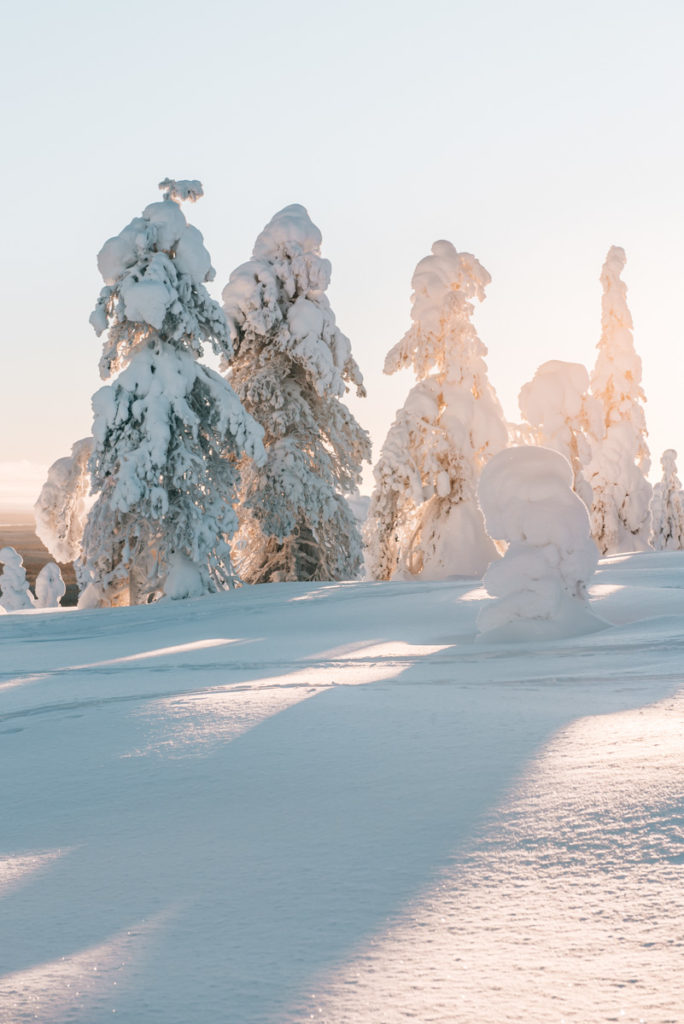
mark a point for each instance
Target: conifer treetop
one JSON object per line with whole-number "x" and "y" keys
{"x": 154, "y": 271}
{"x": 180, "y": 190}
{"x": 443, "y": 284}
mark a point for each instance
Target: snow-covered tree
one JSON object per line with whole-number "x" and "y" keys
{"x": 620, "y": 511}
{"x": 540, "y": 584}
{"x": 168, "y": 431}
{"x": 291, "y": 368}
{"x": 14, "y": 589}
{"x": 50, "y": 587}
{"x": 667, "y": 507}
{"x": 62, "y": 505}
{"x": 424, "y": 519}
{"x": 562, "y": 415}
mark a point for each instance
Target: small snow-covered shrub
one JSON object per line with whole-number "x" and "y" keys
{"x": 424, "y": 519}
{"x": 291, "y": 368}
{"x": 14, "y": 589}
{"x": 668, "y": 507}
{"x": 540, "y": 585}
{"x": 50, "y": 587}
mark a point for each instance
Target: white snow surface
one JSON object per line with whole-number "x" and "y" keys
{"x": 299, "y": 802}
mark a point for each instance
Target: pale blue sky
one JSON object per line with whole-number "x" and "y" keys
{"x": 533, "y": 134}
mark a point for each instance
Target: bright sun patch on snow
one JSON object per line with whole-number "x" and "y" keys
{"x": 65, "y": 988}
{"x": 161, "y": 652}
{"x": 14, "y": 870}
{"x": 191, "y": 725}
{"x": 351, "y": 799}
{"x": 529, "y": 928}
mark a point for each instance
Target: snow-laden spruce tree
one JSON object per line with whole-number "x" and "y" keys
{"x": 667, "y": 507}
{"x": 168, "y": 431}
{"x": 563, "y": 415}
{"x": 540, "y": 584}
{"x": 291, "y": 368}
{"x": 50, "y": 587}
{"x": 424, "y": 518}
{"x": 62, "y": 505}
{"x": 620, "y": 511}
{"x": 14, "y": 589}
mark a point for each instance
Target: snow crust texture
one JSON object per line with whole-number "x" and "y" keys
{"x": 326, "y": 802}
{"x": 540, "y": 585}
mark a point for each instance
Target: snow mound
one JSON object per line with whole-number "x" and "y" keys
{"x": 540, "y": 585}
{"x": 184, "y": 579}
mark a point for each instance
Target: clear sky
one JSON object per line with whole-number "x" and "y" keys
{"x": 534, "y": 134}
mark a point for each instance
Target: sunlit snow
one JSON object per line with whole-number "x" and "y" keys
{"x": 300, "y": 802}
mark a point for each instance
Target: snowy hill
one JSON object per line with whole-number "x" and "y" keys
{"x": 331, "y": 802}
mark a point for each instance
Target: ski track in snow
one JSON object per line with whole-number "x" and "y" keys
{"x": 338, "y": 806}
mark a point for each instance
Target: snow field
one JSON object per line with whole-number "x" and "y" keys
{"x": 328, "y": 802}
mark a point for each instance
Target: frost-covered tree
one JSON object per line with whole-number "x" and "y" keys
{"x": 424, "y": 519}
{"x": 62, "y": 505}
{"x": 562, "y": 415}
{"x": 620, "y": 511}
{"x": 667, "y": 507}
{"x": 14, "y": 589}
{"x": 540, "y": 585}
{"x": 168, "y": 431}
{"x": 50, "y": 587}
{"x": 291, "y": 368}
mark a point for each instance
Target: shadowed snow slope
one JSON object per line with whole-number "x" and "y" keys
{"x": 298, "y": 802}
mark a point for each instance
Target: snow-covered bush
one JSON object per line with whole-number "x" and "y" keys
{"x": 62, "y": 504}
{"x": 168, "y": 431}
{"x": 50, "y": 587}
{"x": 291, "y": 368}
{"x": 562, "y": 414}
{"x": 667, "y": 507}
{"x": 620, "y": 511}
{"x": 14, "y": 589}
{"x": 424, "y": 519}
{"x": 540, "y": 585}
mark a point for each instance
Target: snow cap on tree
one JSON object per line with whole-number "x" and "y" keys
{"x": 14, "y": 590}
{"x": 291, "y": 368}
{"x": 278, "y": 297}
{"x": 154, "y": 272}
{"x": 442, "y": 283}
{"x": 620, "y": 511}
{"x": 540, "y": 584}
